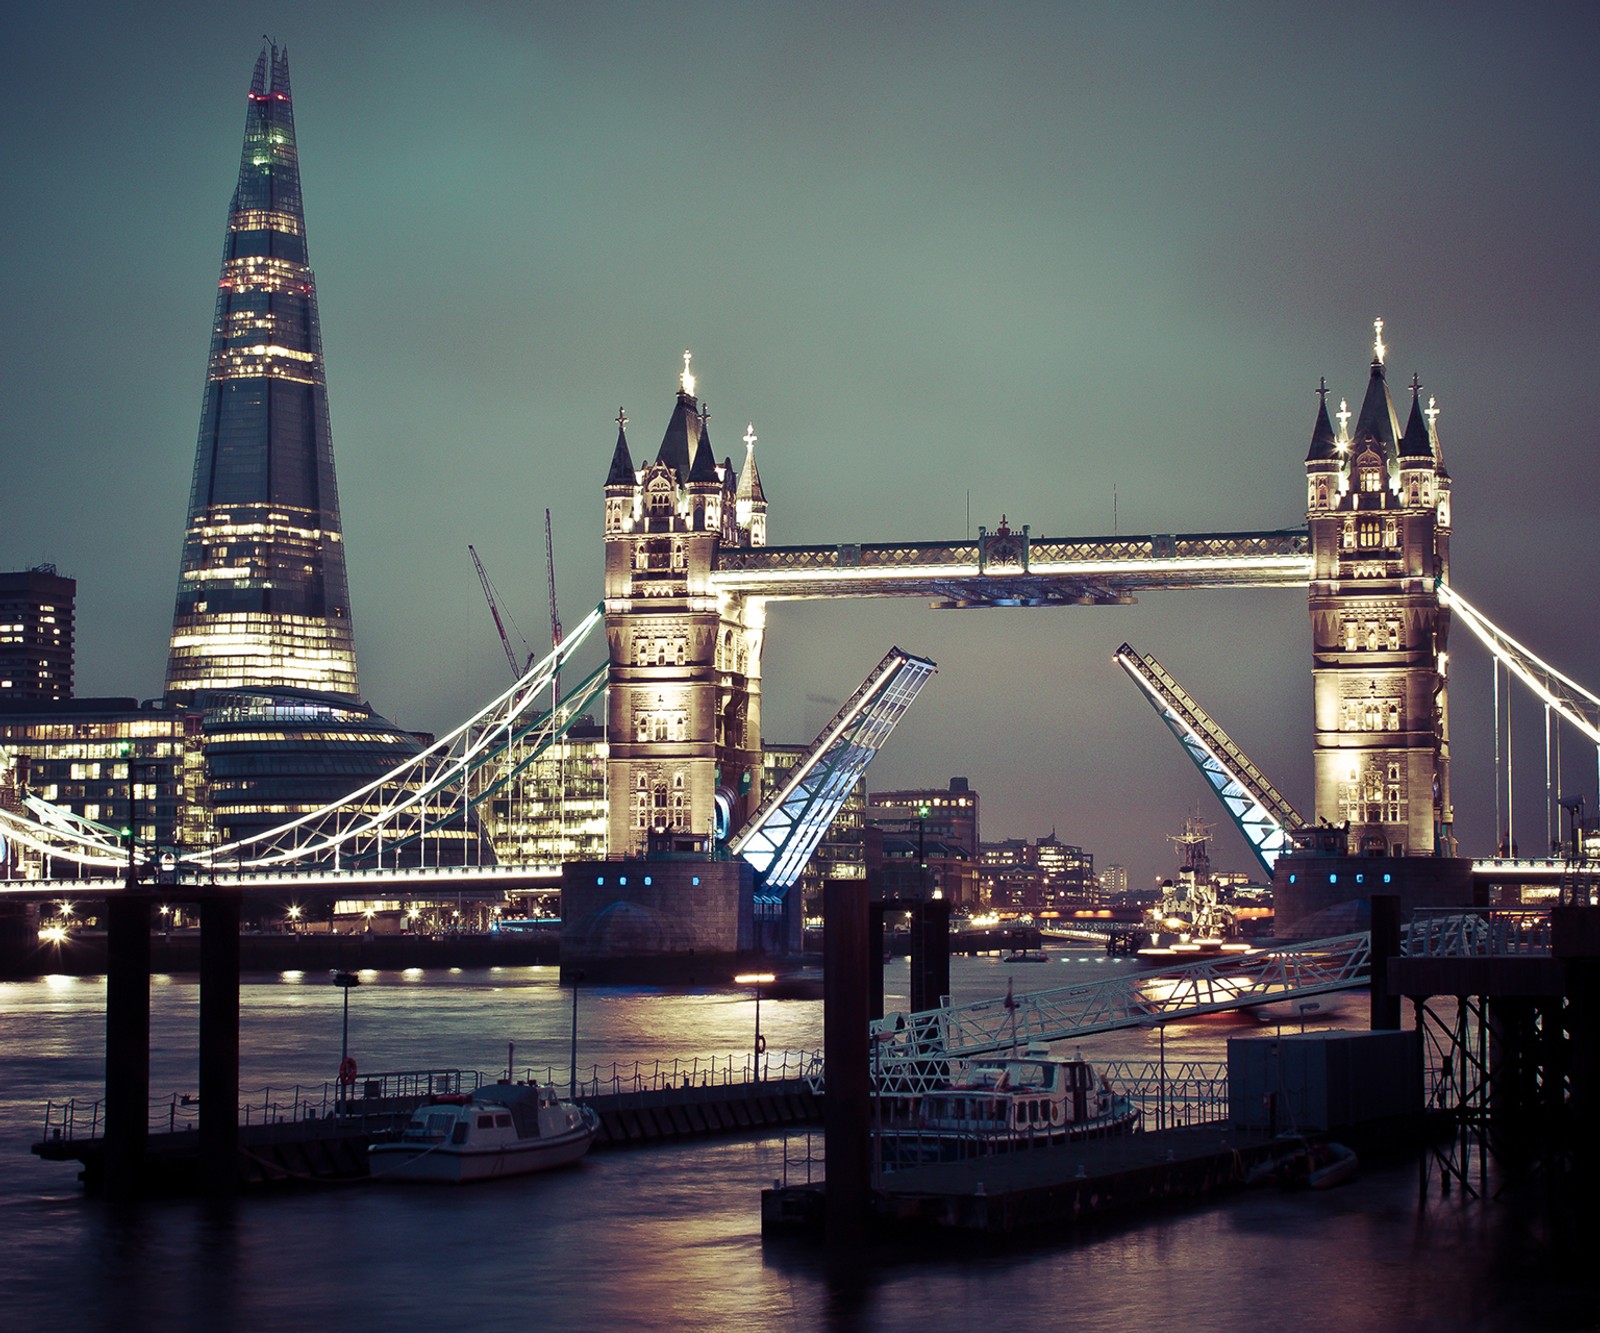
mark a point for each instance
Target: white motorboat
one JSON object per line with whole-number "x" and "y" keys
{"x": 998, "y": 1103}
{"x": 501, "y": 1129}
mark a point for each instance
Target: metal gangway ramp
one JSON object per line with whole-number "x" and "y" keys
{"x": 1261, "y": 812}
{"x": 912, "y": 1051}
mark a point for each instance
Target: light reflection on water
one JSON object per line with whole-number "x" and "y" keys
{"x": 669, "y": 1237}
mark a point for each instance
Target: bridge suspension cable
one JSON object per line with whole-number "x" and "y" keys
{"x": 1568, "y": 698}
{"x": 418, "y": 798}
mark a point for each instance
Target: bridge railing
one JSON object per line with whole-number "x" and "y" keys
{"x": 384, "y": 1093}
{"x": 387, "y": 1094}
{"x": 713, "y": 1071}
{"x": 1478, "y": 932}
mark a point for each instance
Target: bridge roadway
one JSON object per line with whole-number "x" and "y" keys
{"x": 392, "y": 882}
{"x": 308, "y": 885}
{"x": 1013, "y": 568}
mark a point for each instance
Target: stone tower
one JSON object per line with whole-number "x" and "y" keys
{"x": 684, "y": 696}
{"x": 1378, "y": 508}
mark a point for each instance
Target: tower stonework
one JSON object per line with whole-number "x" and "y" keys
{"x": 1378, "y": 506}
{"x": 684, "y": 696}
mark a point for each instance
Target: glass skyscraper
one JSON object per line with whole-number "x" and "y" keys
{"x": 262, "y": 597}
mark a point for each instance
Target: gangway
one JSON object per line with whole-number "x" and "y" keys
{"x": 789, "y": 823}
{"x": 913, "y": 1051}
{"x": 1262, "y": 813}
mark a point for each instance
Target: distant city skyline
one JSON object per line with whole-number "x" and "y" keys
{"x": 1079, "y": 267}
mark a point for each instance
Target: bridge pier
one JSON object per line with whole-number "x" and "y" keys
{"x": 127, "y": 1128}
{"x": 219, "y": 1042}
{"x": 852, "y": 954}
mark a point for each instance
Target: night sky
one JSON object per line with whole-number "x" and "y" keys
{"x": 1077, "y": 265}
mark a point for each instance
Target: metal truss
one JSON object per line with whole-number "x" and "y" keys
{"x": 1574, "y": 703}
{"x": 914, "y": 1051}
{"x": 417, "y": 802}
{"x": 1261, "y": 813}
{"x": 1012, "y": 568}
{"x": 789, "y": 823}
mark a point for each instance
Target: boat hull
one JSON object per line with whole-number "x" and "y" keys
{"x": 447, "y": 1163}
{"x": 920, "y": 1146}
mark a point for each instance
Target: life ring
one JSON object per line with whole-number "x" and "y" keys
{"x": 761, "y": 1045}
{"x": 347, "y": 1070}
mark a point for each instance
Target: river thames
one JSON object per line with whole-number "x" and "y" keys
{"x": 669, "y": 1237}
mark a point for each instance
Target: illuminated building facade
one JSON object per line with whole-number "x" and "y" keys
{"x": 108, "y": 760}
{"x": 1044, "y": 875}
{"x": 36, "y": 636}
{"x": 553, "y": 809}
{"x": 950, "y": 814}
{"x": 684, "y": 696}
{"x": 1378, "y": 505}
{"x": 262, "y": 600}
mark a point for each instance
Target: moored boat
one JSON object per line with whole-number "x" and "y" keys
{"x": 501, "y": 1129}
{"x": 1002, "y": 1102}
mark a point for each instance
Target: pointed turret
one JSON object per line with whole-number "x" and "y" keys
{"x": 1376, "y": 424}
{"x": 704, "y": 470}
{"x": 750, "y": 503}
{"x": 621, "y": 473}
{"x": 1322, "y": 448}
{"x": 1415, "y": 446}
{"x": 678, "y": 441}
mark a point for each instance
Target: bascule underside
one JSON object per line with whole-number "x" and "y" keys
{"x": 1012, "y": 569}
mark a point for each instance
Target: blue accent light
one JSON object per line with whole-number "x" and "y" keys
{"x": 599, "y": 879}
{"x": 647, "y": 881}
{"x": 1386, "y": 879}
{"x": 695, "y": 879}
{"x": 1360, "y": 879}
{"x": 1291, "y": 879}
{"x": 1333, "y": 879}
{"x": 622, "y": 879}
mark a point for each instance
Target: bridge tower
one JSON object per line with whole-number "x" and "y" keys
{"x": 684, "y": 684}
{"x": 1379, "y": 511}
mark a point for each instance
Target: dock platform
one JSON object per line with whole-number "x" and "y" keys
{"x": 1039, "y": 1188}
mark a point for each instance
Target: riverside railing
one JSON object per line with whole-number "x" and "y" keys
{"x": 386, "y": 1094}
{"x": 1478, "y": 932}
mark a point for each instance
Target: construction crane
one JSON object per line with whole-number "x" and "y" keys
{"x": 517, "y": 668}
{"x": 555, "y": 614}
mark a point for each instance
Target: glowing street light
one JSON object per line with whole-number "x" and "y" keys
{"x": 347, "y": 1066}
{"x": 757, "y": 979}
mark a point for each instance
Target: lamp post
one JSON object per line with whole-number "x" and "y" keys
{"x": 572, "y": 1086}
{"x": 347, "y": 1073}
{"x": 757, "y": 979}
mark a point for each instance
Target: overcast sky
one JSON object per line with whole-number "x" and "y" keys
{"x": 1077, "y": 265}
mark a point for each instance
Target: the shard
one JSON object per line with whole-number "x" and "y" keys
{"x": 262, "y": 596}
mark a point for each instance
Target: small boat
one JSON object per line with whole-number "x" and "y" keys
{"x": 501, "y": 1129}
{"x": 1026, "y": 956}
{"x": 1307, "y": 1165}
{"x": 998, "y": 1103}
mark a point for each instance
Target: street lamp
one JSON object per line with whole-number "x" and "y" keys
{"x": 347, "y": 1067}
{"x": 757, "y": 979}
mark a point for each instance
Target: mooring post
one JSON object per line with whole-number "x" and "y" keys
{"x": 1384, "y": 1010}
{"x": 848, "y": 962}
{"x": 219, "y": 1041}
{"x": 128, "y": 915}
{"x": 930, "y": 954}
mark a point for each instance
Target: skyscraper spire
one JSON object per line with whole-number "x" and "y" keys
{"x": 262, "y": 597}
